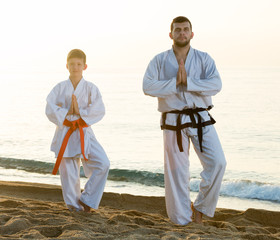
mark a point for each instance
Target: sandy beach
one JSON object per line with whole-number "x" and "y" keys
{"x": 37, "y": 211}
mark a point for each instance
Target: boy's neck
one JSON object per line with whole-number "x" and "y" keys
{"x": 75, "y": 80}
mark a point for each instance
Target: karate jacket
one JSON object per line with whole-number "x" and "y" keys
{"x": 91, "y": 109}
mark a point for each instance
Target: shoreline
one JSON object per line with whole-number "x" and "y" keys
{"x": 32, "y": 210}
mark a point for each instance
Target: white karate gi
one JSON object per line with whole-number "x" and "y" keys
{"x": 92, "y": 110}
{"x": 203, "y": 81}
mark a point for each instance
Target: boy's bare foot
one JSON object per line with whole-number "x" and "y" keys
{"x": 197, "y": 216}
{"x": 86, "y": 207}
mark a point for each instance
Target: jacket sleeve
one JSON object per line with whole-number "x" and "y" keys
{"x": 95, "y": 110}
{"x": 210, "y": 83}
{"x": 153, "y": 86}
{"x": 54, "y": 111}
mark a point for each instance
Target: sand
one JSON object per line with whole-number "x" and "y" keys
{"x": 37, "y": 211}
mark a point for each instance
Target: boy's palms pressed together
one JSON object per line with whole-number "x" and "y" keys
{"x": 74, "y": 108}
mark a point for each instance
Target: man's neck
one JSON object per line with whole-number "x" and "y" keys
{"x": 75, "y": 81}
{"x": 181, "y": 52}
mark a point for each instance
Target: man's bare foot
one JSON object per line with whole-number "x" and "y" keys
{"x": 197, "y": 216}
{"x": 86, "y": 207}
{"x": 192, "y": 211}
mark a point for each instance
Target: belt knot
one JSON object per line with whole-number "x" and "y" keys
{"x": 73, "y": 125}
{"x": 179, "y": 126}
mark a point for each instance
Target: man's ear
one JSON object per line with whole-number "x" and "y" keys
{"x": 192, "y": 35}
{"x": 67, "y": 65}
{"x": 170, "y": 35}
{"x": 85, "y": 67}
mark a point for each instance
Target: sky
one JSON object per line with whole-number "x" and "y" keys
{"x": 126, "y": 34}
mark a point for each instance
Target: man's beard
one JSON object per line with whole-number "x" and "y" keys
{"x": 181, "y": 44}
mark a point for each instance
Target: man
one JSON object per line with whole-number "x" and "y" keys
{"x": 184, "y": 79}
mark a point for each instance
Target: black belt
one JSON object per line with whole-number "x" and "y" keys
{"x": 192, "y": 124}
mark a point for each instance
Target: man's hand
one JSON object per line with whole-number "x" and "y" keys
{"x": 181, "y": 74}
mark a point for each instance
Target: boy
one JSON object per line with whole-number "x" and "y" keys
{"x": 73, "y": 105}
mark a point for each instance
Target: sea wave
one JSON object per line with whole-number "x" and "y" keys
{"x": 26, "y": 165}
{"x": 232, "y": 188}
{"x": 251, "y": 190}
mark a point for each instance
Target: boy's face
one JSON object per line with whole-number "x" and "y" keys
{"x": 75, "y": 67}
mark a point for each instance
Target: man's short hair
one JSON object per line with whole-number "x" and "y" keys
{"x": 180, "y": 19}
{"x": 77, "y": 53}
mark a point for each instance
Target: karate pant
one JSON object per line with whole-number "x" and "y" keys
{"x": 96, "y": 169}
{"x": 177, "y": 176}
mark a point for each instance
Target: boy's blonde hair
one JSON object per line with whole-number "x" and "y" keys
{"x": 77, "y": 53}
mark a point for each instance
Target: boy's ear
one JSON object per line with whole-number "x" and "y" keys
{"x": 85, "y": 67}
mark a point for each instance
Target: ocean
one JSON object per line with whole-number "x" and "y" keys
{"x": 246, "y": 111}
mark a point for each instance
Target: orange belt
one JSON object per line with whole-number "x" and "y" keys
{"x": 80, "y": 123}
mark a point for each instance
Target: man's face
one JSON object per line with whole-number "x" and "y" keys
{"x": 76, "y": 66}
{"x": 181, "y": 34}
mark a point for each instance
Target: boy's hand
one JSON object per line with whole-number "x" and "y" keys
{"x": 71, "y": 109}
{"x": 75, "y": 105}
{"x": 74, "y": 108}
